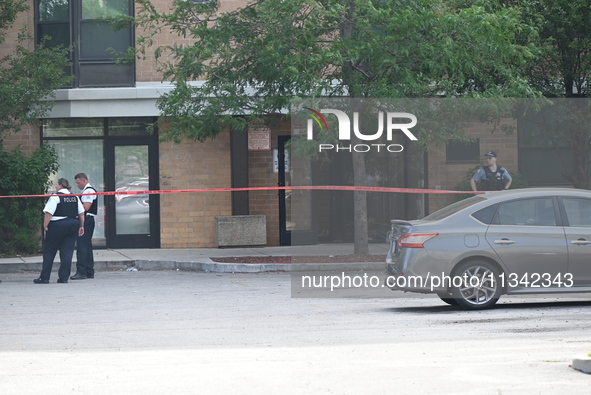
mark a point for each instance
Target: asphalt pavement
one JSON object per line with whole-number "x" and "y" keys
{"x": 115, "y": 261}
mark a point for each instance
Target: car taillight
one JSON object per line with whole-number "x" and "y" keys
{"x": 415, "y": 240}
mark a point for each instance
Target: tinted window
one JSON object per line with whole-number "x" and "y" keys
{"x": 105, "y": 74}
{"x": 528, "y": 212}
{"x": 578, "y": 211}
{"x": 78, "y": 23}
{"x": 487, "y": 214}
{"x": 98, "y": 41}
{"x": 54, "y": 10}
{"x": 54, "y": 34}
{"x": 73, "y": 127}
{"x": 454, "y": 208}
{"x": 96, "y": 9}
{"x": 462, "y": 152}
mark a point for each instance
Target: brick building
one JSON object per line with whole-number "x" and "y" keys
{"x": 99, "y": 126}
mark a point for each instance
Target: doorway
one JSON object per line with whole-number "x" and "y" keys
{"x": 297, "y": 208}
{"x": 132, "y": 220}
{"x": 284, "y": 179}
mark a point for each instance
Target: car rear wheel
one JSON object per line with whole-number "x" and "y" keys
{"x": 479, "y": 286}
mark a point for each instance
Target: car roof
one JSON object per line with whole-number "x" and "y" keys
{"x": 482, "y": 200}
{"x": 534, "y": 192}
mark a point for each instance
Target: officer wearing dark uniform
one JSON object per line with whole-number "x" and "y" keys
{"x": 491, "y": 176}
{"x": 63, "y": 222}
{"x": 84, "y": 252}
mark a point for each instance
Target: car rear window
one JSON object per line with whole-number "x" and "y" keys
{"x": 453, "y": 208}
{"x": 487, "y": 214}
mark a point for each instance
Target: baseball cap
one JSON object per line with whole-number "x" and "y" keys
{"x": 491, "y": 153}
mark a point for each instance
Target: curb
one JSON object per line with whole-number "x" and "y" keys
{"x": 218, "y": 267}
{"x": 208, "y": 266}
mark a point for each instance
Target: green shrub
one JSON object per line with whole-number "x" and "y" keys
{"x": 21, "y": 218}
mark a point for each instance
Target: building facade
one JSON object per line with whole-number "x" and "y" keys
{"x": 99, "y": 126}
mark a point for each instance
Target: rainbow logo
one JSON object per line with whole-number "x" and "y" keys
{"x": 318, "y": 118}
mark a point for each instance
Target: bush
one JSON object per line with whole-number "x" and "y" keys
{"x": 464, "y": 185}
{"x": 21, "y": 218}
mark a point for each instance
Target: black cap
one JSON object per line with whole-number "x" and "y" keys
{"x": 491, "y": 153}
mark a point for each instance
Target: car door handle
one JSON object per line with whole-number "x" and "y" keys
{"x": 504, "y": 241}
{"x": 580, "y": 242}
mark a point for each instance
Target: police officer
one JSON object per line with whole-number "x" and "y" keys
{"x": 84, "y": 253}
{"x": 491, "y": 176}
{"x": 61, "y": 229}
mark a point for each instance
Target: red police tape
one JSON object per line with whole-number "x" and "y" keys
{"x": 314, "y": 187}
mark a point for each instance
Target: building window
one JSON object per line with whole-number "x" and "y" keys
{"x": 80, "y": 144}
{"x": 96, "y": 44}
{"x": 462, "y": 152}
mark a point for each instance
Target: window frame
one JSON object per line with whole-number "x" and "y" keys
{"x": 474, "y": 145}
{"x": 127, "y": 77}
{"x": 558, "y": 216}
{"x": 564, "y": 214}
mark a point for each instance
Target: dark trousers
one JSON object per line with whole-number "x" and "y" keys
{"x": 84, "y": 253}
{"x": 61, "y": 235}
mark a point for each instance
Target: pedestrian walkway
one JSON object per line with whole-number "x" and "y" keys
{"x": 197, "y": 259}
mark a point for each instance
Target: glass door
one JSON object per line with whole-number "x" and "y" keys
{"x": 132, "y": 220}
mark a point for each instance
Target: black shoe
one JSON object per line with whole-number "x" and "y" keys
{"x": 59, "y": 280}
{"x": 40, "y": 281}
{"x": 78, "y": 276}
{"x": 87, "y": 276}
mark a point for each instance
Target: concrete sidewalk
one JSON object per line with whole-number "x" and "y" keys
{"x": 199, "y": 259}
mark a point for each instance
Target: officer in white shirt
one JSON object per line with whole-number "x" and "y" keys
{"x": 63, "y": 222}
{"x": 84, "y": 252}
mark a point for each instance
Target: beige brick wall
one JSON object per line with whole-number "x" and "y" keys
{"x": 448, "y": 175}
{"x": 146, "y": 68}
{"x": 24, "y": 19}
{"x": 188, "y": 219}
{"x": 28, "y": 138}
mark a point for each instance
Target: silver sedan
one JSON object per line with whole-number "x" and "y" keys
{"x": 523, "y": 241}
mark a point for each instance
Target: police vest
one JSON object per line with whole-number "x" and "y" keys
{"x": 94, "y": 207}
{"x": 493, "y": 181}
{"x": 67, "y": 207}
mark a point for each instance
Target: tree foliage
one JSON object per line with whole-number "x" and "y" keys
{"x": 20, "y": 218}
{"x": 562, "y": 69}
{"x": 27, "y": 77}
{"x": 254, "y": 60}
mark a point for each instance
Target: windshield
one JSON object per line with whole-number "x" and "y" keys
{"x": 453, "y": 208}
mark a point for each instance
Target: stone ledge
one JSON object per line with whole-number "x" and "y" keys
{"x": 241, "y": 230}
{"x": 582, "y": 364}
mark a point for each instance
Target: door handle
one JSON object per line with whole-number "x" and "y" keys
{"x": 504, "y": 242}
{"x": 580, "y": 242}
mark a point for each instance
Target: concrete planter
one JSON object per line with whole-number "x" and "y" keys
{"x": 241, "y": 230}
